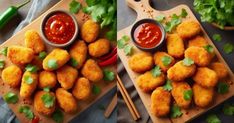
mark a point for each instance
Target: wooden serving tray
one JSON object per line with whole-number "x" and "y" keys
{"x": 144, "y": 10}
{"x": 18, "y": 39}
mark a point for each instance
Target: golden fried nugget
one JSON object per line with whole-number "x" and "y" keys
{"x": 175, "y": 46}
{"x": 28, "y": 84}
{"x": 178, "y": 91}
{"x": 179, "y": 72}
{"x": 92, "y": 71}
{"x": 198, "y": 41}
{"x": 141, "y": 62}
{"x": 82, "y": 89}
{"x": 147, "y": 82}
{"x": 12, "y": 75}
{"x": 78, "y": 52}
{"x": 34, "y": 41}
{"x": 66, "y": 101}
{"x": 160, "y": 102}
{"x": 55, "y": 59}
{"x": 202, "y": 96}
{"x": 99, "y": 47}
{"x": 39, "y": 104}
{"x": 205, "y": 77}
{"x": 199, "y": 55}
{"x": 47, "y": 79}
{"x": 220, "y": 69}
{"x": 90, "y": 31}
{"x": 20, "y": 55}
{"x": 188, "y": 29}
{"x": 163, "y": 60}
{"x": 66, "y": 76}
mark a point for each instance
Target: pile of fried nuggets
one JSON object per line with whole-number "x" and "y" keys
{"x": 66, "y": 75}
{"x": 185, "y": 43}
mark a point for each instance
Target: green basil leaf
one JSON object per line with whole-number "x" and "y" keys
{"x": 28, "y": 79}
{"x": 108, "y": 75}
{"x": 166, "y": 60}
{"x": 52, "y": 63}
{"x": 11, "y": 97}
{"x": 156, "y": 71}
{"x": 42, "y": 55}
{"x": 48, "y": 100}
{"x": 188, "y": 94}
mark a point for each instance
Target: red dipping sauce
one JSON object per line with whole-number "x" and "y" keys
{"x": 59, "y": 28}
{"x": 148, "y": 35}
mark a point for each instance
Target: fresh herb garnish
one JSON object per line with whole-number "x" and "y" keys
{"x": 4, "y": 51}
{"x": 96, "y": 89}
{"x": 168, "y": 85}
{"x": 108, "y": 75}
{"x": 183, "y": 13}
{"x": 2, "y": 64}
{"x": 175, "y": 20}
{"x": 228, "y": 48}
{"x": 11, "y": 97}
{"x": 160, "y": 18}
{"x": 217, "y": 37}
{"x": 128, "y": 49}
{"x": 188, "y": 62}
{"x": 228, "y": 109}
{"x": 166, "y": 60}
{"x": 175, "y": 111}
{"x": 46, "y": 89}
{"x": 52, "y": 63}
{"x": 188, "y": 94}
{"x": 123, "y": 41}
{"x": 74, "y": 7}
{"x": 31, "y": 68}
{"x": 212, "y": 118}
{"x": 27, "y": 111}
{"x": 58, "y": 116}
{"x": 74, "y": 62}
{"x": 222, "y": 87}
{"x": 42, "y": 55}
{"x": 156, "y": 71}
{"x": 28, "y": 79}
{"x": 48, "y": 100}
{"x": 209, "y": 48}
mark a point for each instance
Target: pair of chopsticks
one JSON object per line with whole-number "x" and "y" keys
{"x": 127, "y": 99}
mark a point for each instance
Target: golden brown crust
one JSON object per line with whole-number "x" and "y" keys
{"x": 175, "y": 46}
{"x": 82, "y": 89}
{"x": 34, "y": 41}
{"x": 99, "y": 47}
{"x": 158, "y": 60}
{"x": 47, "y": 79}
{"x": 90, "y": 31}
{"x": 67, "y": 76}
{"x": 26, "y": 90}
{"x": 12, "y": 76}
{"x": 188, "y": 29}
{"x": 220, "y": 69}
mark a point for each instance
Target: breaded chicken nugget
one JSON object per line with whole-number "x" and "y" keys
{"x": 188, "y": 29}
{"x": 56, "y": 59}
{"x": 78, "y": 52}
{"x": 202, "y": 96}
{"x": 198, "y": 41}
{"x": 66, "y": 76}
{"x": 178, "y": 91}
{"x": 160, "y": 102}
{"x": 12, "y": 75}
{"x": 220, "y": 69}
{"x": 39, "y": 104}
{"x": 175, "y": 46}
{"x": 20, "y": 55}
{"x": 147, "y": 82}
{"x": 82, "y": 89}
{"x": 38, "y": 62}
{"x": 47, "y": 79}
{"x": 99, "y": 47}
{"x": 179, "y": 72}
{"x": 205, "y": 77}
{"x": 90, "y": 31}
{"x": 199, "y": 55}
{"x": 141, "y": 62}
{"x": 92, "y": 71}
{"x": 66, "y": 101}
{"x": 34, "y": 41}
{"x": 163, "y": 60}
{"x": 28, "y": 84}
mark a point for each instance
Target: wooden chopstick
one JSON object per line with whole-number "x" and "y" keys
{"x": 127, "y": 99}
{"x": 110, "y": 108}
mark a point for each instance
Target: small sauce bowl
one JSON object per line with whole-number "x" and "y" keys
{"x": 59, "y": 28}
{"x": 148, "y": 35}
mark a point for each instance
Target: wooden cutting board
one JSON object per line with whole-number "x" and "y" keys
{"x": 18, "y": 39}
{"x": 144, "y": 10}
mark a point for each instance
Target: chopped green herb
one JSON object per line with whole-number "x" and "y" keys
{"x": 228, "y": 48}
{"x": 188, "y": 94}
{"x": 48, "y": 100}
{"x": 2, "y": 64}
{"x": 209, "y": 48}
{"x": 11, "y": 97}
{"x": 128, "y": 49}
{"x": 222, "y": 87}
{"x": 166, "y": 60}
{"x": 228, "y": 109}
{"x": 183, "y": 13}
{"x": 27, "y": 111}
{"x": 52, "y": 63}
{"x": 175, "y": 20}
{"x": 96, "y": 89}
{"x": 126, "y": 38}
{"x": 4, "y": 51}
{"x": 108, "y": 75}
{"x": 42, "y": 55}
{"x": 74, "y": 62}
{"x": 31, "y": 68}
{"x": 175, "y": 111}
{"x": 160, "y": 18}
{"x": 46, "y": 89}
{"x": 28, "y": 79}
{"x": 156, "y": 71}
{"x": 121, "y": 43}
{"x": 212, "y": 118}
{"x": 58, "y": 116}
{"x": 168, "y": 85}
{"x": 74, "y": 7}
{"x": 187, "y": 62}
{"x": 217, "y": 37}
